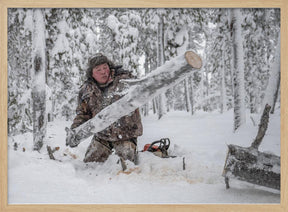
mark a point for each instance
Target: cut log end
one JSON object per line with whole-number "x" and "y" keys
{"x": 193, "y": 59}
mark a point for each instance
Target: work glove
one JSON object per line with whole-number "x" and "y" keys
{"x": 71, "y": 139}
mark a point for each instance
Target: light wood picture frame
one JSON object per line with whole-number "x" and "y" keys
{"x": 5, "y": 4}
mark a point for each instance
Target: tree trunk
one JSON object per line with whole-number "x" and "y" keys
{"x": 190, "y": 79}
{"x": 146, "y": 68}
{"x": 238, "y": 66}
{"x": 271, "y": 93}
{"x": 160, "y": 61}
{"x": 146, "y": 109}
{"x": 191, "y": 94}
{"x": 154, "y": 104}
{"x": 262, "y": 127}
{"x": 276, "y": 94}
{"x": 38, "y": 91}
{"x": 230, "y": 26}
{"x": 187, "y": 98}
{"x": 161, "y": 105}
{"x": 222, "y": 83}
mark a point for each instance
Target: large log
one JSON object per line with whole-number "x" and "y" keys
{"x": 140, "y": 92}
{"x": 253, "y": 166}
{"x": 250, "y": 165}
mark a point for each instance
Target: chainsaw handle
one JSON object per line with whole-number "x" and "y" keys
{"x": 164, "y": 143}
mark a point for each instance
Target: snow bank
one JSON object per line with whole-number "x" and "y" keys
{"x": 201, "y": 139}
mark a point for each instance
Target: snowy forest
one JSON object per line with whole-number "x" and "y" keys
{"x": 48, "y": 53}
{"x": 141, "y": 40}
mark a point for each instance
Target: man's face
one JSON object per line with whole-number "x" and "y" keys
{"x": 101, "y": 73}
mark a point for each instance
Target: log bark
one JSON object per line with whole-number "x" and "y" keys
{"x": 253, "y": 166}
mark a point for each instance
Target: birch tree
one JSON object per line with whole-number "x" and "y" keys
{"x": 38, "y": 90}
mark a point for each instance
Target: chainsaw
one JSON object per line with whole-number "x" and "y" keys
{"x": 159, "y": 148}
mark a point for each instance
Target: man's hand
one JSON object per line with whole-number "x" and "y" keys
{"x": 71, "y": 138}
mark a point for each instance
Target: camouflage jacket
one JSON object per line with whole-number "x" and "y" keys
{"x": 92, "y": 99}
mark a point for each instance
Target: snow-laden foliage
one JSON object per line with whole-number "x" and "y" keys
{"x": 129, "y": 37}
{"x": 141, "y": 40}
{"x": 19, "y": 70}
{"x": 259, "y": 25}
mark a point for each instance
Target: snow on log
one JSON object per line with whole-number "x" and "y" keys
{"x": 251, "y": 165}
{"x": 139, "y": 93}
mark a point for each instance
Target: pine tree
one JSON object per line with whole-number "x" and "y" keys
{"x": 19, "y": 70}
{"x": 255, "y": 57}
{"x": 124, "y": 25}
{"x": 74, "y": 35}
{"x": 220, "y": 57}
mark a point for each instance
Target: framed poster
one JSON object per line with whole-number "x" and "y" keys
{"x": 35, "y": 178}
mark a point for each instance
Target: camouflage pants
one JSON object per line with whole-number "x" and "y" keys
{"x": 99, "y": 150}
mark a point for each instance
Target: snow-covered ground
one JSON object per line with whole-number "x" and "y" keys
{"x": 202, "y": 139}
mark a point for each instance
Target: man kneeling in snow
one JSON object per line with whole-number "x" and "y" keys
{"x": 102, "y": 88}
